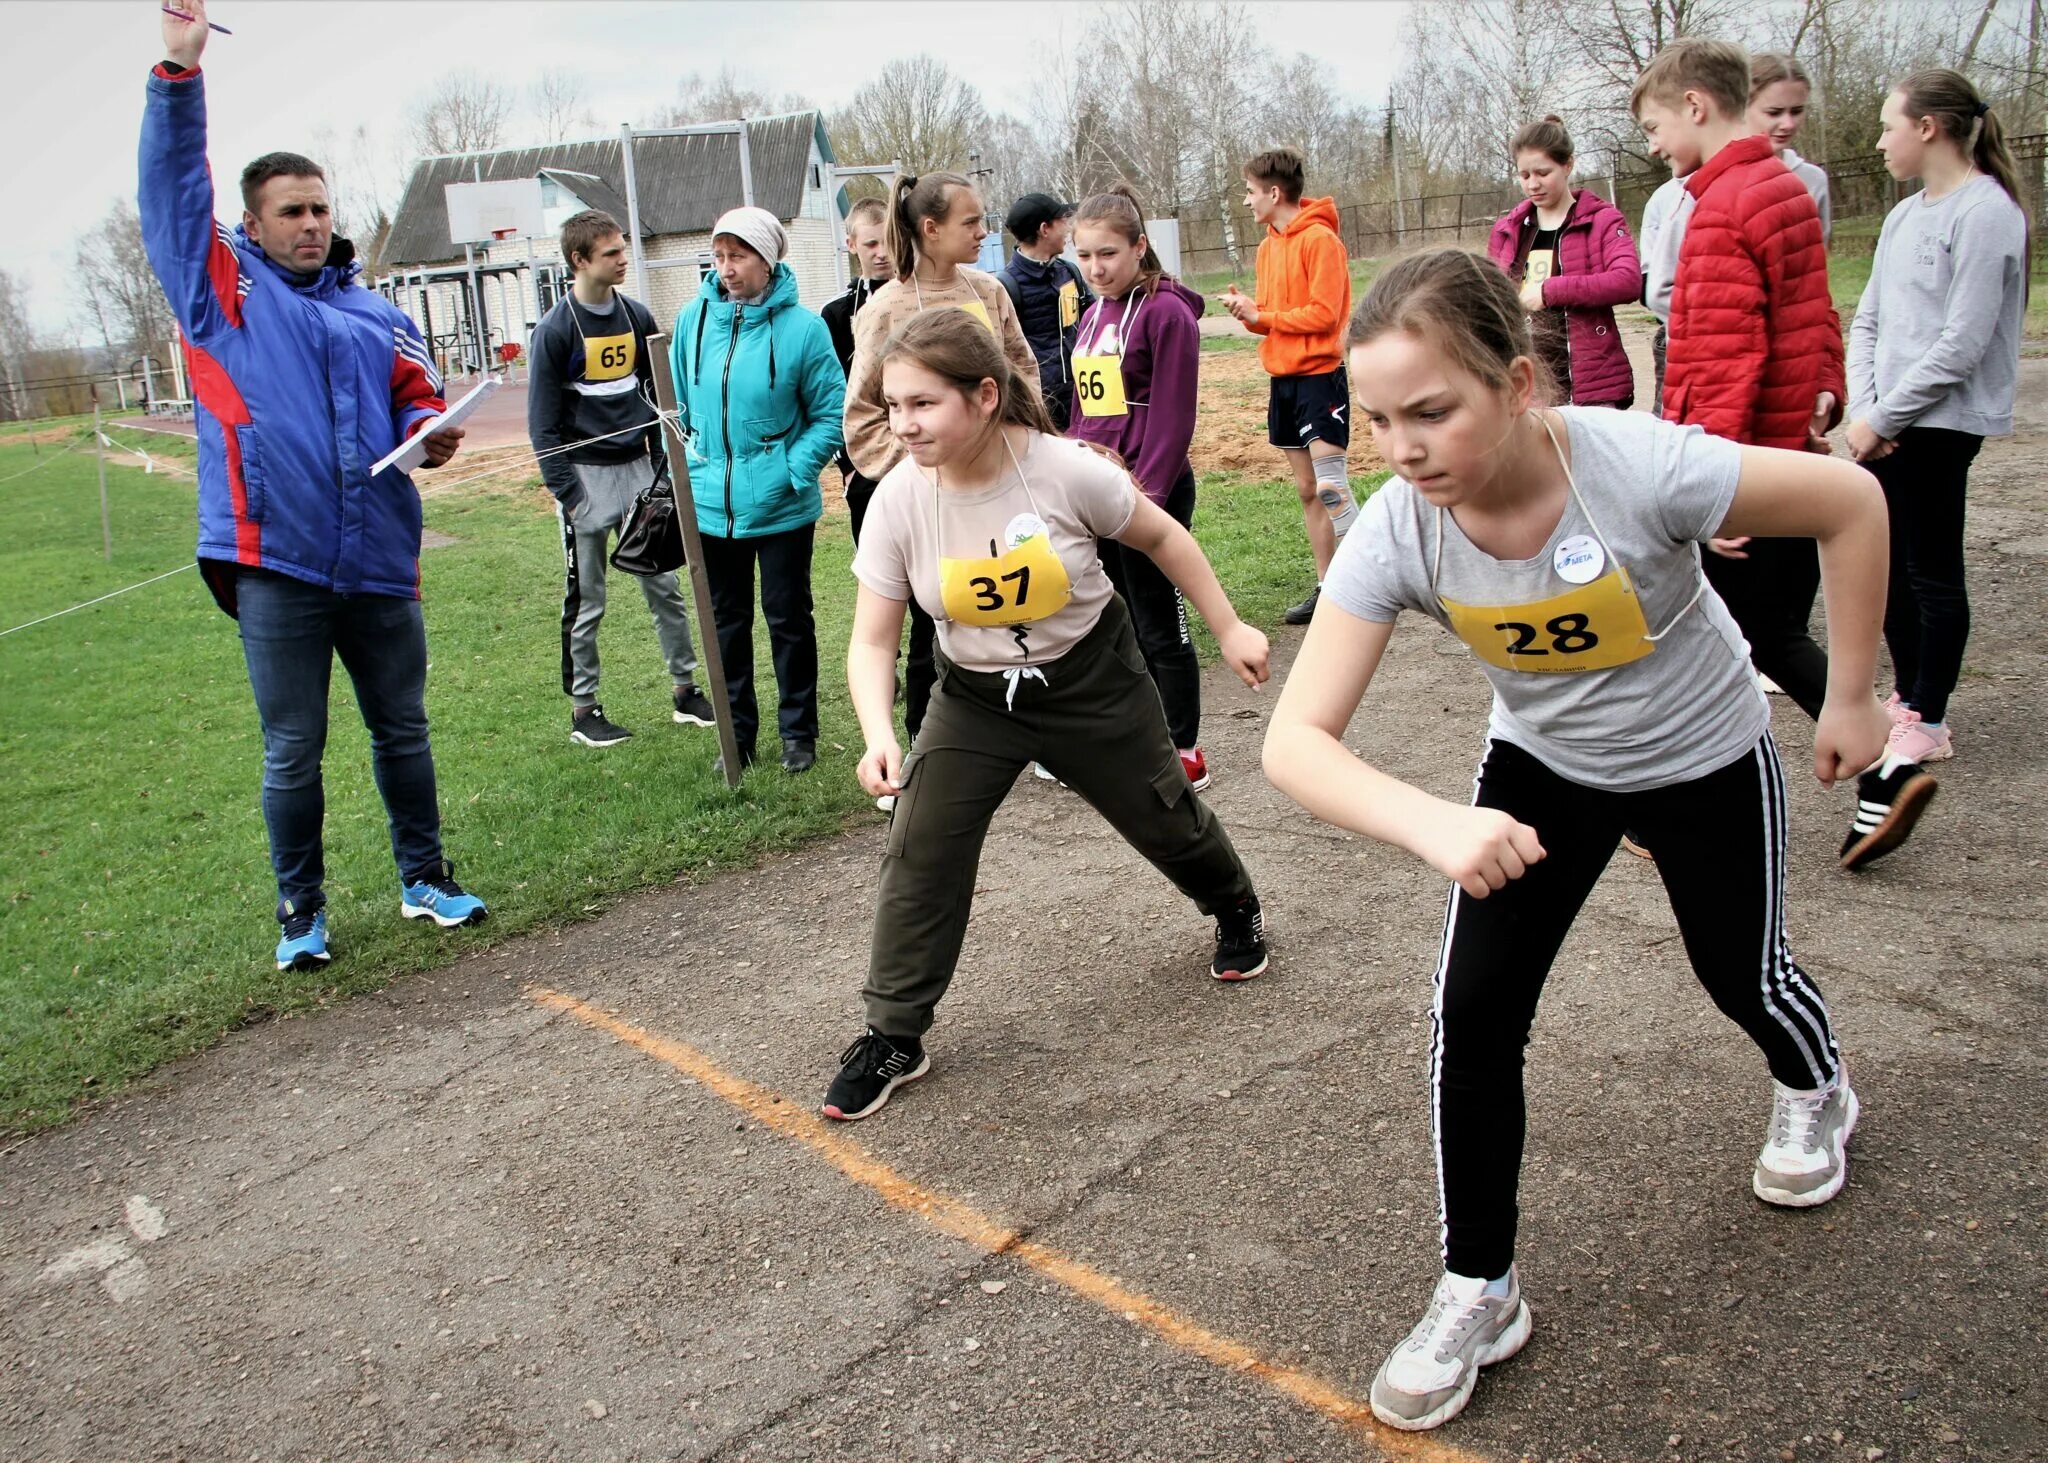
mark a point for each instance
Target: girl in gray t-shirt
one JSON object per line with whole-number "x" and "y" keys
{"x": 1562, "y": 547}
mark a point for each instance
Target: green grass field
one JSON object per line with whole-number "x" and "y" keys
{"x": 135, "y": 887}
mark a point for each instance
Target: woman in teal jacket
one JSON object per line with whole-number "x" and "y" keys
{"x": 761, "y": 396}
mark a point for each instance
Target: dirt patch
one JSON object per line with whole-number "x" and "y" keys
{"x": 1230, "y": 421}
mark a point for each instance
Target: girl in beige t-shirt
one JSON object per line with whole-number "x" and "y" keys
{"x": 935, "y": 229}
{"x": 990, "y": 523}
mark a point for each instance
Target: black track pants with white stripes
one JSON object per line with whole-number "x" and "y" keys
{"x": 1719, "y": 843}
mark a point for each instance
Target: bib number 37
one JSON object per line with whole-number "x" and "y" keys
{"x": 988, "y": 591}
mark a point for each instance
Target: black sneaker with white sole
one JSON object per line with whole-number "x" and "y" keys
{"x": 870, "y": 1070}
{"x": 1888, "y": 804}
{"x": 1240, "y": 942}
{"x": 590, "y": 727}
{"x": 693, "y": 708}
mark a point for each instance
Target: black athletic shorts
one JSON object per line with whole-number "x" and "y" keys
{"x": 1305, "y": 409}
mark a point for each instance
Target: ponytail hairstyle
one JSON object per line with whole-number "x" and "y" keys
{"x": 1547, "y": 137}
{"x": 1772, "y": 67}
{"x": 1963, "y": 116}
{"x": 1119, "y": 209}
{"x": 959, "y": 349}
{"x": 1462, "y": 303}
{"x": 912, "y": 200}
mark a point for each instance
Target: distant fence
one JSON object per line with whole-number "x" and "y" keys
{"x": 1859, "y": 188}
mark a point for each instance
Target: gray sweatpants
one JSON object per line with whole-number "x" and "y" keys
{"x": 610, "y": 489}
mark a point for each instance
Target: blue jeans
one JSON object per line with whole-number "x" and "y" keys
{"x": 291, "y": 632}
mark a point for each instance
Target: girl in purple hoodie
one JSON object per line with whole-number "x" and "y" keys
{"x": 1572, "y": 255}
{"x": 1137, "y": 359}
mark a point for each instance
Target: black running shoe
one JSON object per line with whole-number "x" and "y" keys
{"x": 693, "y": 708}
{"x": 589, "y": 727}
{"x": 870, "y": 1070}
{"x": 1302, "y": 613}
{"x": 799, "y": 756}
{"x": 746, "y": 761}
{"x": 1888, "y": 804}
{"x": 1240, "y": 942}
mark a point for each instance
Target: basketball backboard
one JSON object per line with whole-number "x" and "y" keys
{"x": 479, "y": 213}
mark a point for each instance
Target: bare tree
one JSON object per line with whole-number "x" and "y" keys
{"x": 118, "y": 291}
{"x": 724, "y": 97}
{"x": 17, "y": 346}
{"x": 363, "y": 182}
{"x": 915, "y": 110}
{"x": 559, "y": 101}
{"x": 465, "y": 112}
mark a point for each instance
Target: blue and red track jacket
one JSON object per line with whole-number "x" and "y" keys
{"x": 299, "y": 383}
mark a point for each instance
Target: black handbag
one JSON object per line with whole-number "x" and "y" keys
{"x": 651, "y": 539}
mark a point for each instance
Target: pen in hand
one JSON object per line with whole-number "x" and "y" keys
{"x": 172, "y": 10}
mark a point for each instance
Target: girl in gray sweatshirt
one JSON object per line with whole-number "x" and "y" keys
{"x": 1933, "y": 367}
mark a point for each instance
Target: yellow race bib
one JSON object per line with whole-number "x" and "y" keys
{"x": 980, "y": 312}
{"x": 1070, "y": 305}
{"x": 1099, "y": 386}
{"x": 1026, "y": 584}
{"x": 1590, "y": 628}
{"x": 608, "y": 357}
{"x": 1542, "y": 265}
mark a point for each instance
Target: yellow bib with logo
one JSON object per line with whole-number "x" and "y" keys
{"x": 1070, "y": 304}
{"x": 1591, "y": 627}
{"x": 1099, "y": 386}
{"x": 608, "y": 357}
{"x": 1026, "y": 584}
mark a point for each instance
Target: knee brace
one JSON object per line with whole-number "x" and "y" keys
{"x": 1333, "y": 487}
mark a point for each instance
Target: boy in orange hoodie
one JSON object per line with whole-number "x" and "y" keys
{"x": 1301, "y": 306}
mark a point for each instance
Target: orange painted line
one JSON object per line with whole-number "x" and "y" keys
{"x": 963, "y": 1222}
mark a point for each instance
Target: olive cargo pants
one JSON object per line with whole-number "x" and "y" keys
{"x": 1095, "y": 722}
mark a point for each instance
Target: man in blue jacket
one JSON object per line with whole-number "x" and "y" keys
{"x": 301, "y": 381}
{"x": 1048, "y": 294}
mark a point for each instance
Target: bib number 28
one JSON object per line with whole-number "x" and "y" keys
{"x": 1568, "y": 636}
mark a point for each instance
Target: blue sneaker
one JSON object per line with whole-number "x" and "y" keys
{"x": 303, "y": 945}
{"x": 440, "y": 899}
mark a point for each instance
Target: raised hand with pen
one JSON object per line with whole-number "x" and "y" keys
{"x": 185, "y": 28}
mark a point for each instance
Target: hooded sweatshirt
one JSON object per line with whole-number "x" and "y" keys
{"x": 869, "y": 443}
{"x": 1303, "y": 293}
{"x": 1155, "y": 334}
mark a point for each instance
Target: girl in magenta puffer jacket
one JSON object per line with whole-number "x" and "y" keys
{"x": 1573, "y": 257}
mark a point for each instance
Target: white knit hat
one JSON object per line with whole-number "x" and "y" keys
{"x": 758, "y": 229}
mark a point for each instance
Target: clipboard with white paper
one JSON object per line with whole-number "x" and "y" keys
{"x": 412, "y": 452}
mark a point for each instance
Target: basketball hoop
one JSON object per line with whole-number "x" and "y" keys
{"x": 499, "y": 236}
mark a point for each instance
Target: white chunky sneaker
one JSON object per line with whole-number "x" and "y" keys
{"x": 1806, "y": 1157}
{"x": 1429, "y": 1378}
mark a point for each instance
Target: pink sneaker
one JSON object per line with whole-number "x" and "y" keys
{"x": 1196, "y": 766}
{"x": 1895, "y": 708}
{"x": 1913, "y": 742}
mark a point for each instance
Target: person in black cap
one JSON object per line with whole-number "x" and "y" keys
{"x": 1048, "y": 293}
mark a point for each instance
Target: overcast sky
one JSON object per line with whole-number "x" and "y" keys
{"x": 73, "y": 99}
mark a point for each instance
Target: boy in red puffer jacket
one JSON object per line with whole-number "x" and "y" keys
{"x": 1755, "y": 355}
{"x": 1755, "y": 348}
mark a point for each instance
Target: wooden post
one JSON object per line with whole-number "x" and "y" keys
{"x": 693, "y": 553}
